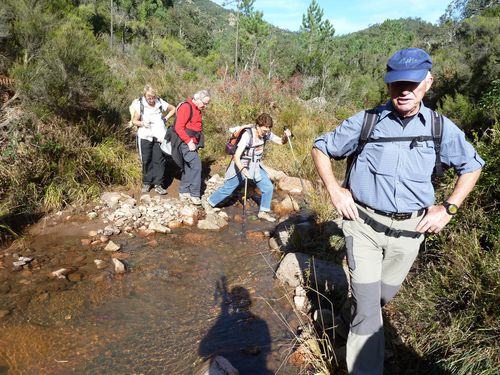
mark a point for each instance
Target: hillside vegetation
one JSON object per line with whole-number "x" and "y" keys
{"x": 69, "y": 70}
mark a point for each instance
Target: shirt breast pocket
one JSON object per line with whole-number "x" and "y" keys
{"x": 381, "y": 158}
{"x": 421, "y": 161}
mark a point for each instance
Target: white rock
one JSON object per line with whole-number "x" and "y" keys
{"x": 188, "y": 220}
{"x": 300, "y": 299}
{"x": 158, "y": 227}
{"x": 119, "y": 266}
{"x": 60, "y": 273}
{"x": 212, "y": 222}
{"x": 100, "y": 264}
{"x": 111, "y": 246}
{"x": 189, "y": 211}
{"x": 111, "y": 199}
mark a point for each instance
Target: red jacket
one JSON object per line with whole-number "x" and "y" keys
{"x": 182, "y": 123}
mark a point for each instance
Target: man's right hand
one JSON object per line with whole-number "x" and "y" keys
{"x": 344, "y": 203}
{"x": 191, "y": 145}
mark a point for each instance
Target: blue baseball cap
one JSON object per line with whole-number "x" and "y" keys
{"x": 409, "y": 64}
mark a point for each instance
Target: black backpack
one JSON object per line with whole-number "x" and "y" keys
{"x": 371, "y": 119}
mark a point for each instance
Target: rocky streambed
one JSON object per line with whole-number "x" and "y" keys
{"x": 147, "y": 284}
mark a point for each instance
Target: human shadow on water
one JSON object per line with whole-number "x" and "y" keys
{"x": 237, "y": 335}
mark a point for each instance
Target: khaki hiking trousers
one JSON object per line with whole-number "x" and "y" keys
{"x": 378, "y": 264}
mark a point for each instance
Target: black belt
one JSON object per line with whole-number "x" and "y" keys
{"x": 393, "y": 215}
{"x": 381, "y": 228}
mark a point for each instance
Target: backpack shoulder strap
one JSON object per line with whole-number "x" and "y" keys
{"x": 250, "y": 142}
{"x": 369, "y": 121}
{"x": 437, "y": 136}
{"x": 190, "y": 112}
{"x": 141, "y": 107}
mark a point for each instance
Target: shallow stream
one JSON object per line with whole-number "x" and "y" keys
{"x": 188, "y": 295}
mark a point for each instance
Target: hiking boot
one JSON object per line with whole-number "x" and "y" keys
{"x": 145, "y": 188}
{"x": 184, "y": 197}
{"x": 160, "y": 190}
{"x": 266, "y": 216}
{"x": 196, "y": 201}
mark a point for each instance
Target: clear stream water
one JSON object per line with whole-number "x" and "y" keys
{"x": 188, "y": 295}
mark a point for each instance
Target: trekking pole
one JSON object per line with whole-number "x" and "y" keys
{"x": 297, "y": 165}
{"x": 244, "y": 210}
{"x": 245, "y": 195}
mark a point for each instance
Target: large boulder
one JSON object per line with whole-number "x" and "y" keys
{"x": 301, "y": 269}
{"x": 213, "y": 221}
{"x": 274, "y": 174}
{"x": 295, "y": 185}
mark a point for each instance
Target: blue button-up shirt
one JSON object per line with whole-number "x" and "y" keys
{"x": 393, "y": 177}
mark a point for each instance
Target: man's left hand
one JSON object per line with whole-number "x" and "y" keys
{"x": 434, "y": 220}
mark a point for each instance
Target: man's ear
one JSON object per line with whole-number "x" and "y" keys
{"x": 428, "y": 81}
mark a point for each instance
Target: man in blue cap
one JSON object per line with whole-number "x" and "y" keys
{"x": 388, "y": 203}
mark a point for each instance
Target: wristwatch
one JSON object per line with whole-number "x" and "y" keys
{"x": 451, "y": 208}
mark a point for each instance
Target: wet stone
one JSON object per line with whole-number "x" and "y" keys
{"x": 4, "y": 288}
{"x": 23, "y": 303}
{"x": 57, "y": 285}
{"x": 75, "y": 276}
{"x": 100, "y": 264}
{"x": 4, "y": 276}
{"x": 111, "y": 246}
{"x": 100, "y": 277}
{"x": 25, "y": 273}
{"x": 4, "y": 313}
{"x": 43, "y": 297}
{"x": 80, "y": 259}
{"x": 119, "y": 255}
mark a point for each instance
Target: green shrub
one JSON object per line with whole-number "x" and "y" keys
{"x": 461, "y": 110}
{"x": 451, "y": 302}
{"x": 69, "y": 75}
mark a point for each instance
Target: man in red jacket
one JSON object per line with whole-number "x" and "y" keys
{"x": 189, "y": 128}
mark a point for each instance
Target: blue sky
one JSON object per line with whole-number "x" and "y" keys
{"x": 348, "y": 16}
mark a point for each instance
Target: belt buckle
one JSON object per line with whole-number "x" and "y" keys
{"x": 401, "y": 216}
{"x": 392, "y": 232}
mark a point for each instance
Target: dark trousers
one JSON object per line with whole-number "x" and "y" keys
{"x": 153, "y": 162}
{"x": 191, "y": 175}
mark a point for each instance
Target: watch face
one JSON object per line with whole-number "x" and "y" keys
{"x": 451, "y": 208}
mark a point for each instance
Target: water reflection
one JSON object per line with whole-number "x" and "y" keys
{"x": 238, "y": 335}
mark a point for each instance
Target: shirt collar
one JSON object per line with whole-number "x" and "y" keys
{"x": 423, "y": 112}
